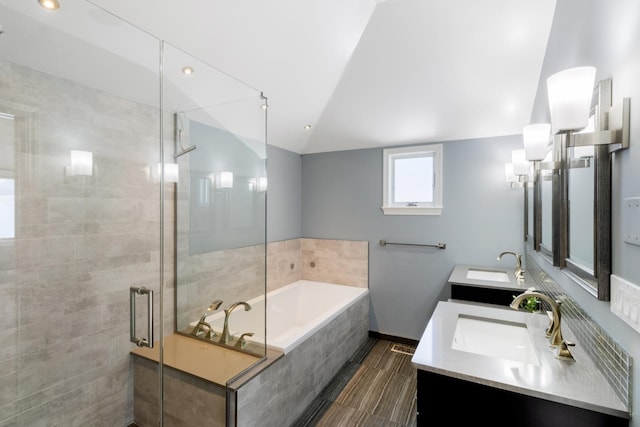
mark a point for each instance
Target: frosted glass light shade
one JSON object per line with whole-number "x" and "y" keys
{"x": 536, "y": 139}
{"x": 171, "y": 172}
{"x": 81, "y": 162}
{"x": 520, "y": 163}
{"x": 226, "y": 179}
{"x": 508, "y": 173}
{"x": 570, "y": 93}
{"x": 262, "y": 183}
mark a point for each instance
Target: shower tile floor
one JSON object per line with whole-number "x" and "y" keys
{"x": 376, "y": 388}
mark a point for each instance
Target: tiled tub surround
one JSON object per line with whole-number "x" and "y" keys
{"x": 276, "y": 396}
{"x": 343, "y": 262}
{"x": 194, "y": 374}
{"x": 81, "y": 242}
{"x": 272, "y": 395}
{"x": 239, "y": 276}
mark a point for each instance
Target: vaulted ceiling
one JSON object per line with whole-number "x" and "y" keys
{"x": 362, "y": 73}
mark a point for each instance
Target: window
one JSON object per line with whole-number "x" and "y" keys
{"x": 7, "y": 209}
{"x": 412, "y": 180}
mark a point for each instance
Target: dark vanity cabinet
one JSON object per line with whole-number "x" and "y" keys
{"x": 459, "y": 402}
{"x": 485, "y": 295}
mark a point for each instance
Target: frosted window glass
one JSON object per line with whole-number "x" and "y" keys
{"x": 413, "y": 180}
{"x": 7, "y": 209}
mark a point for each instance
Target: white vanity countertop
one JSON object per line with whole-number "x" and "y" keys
{"x": 459, "y": 276}
{"x": 578, "y": 383}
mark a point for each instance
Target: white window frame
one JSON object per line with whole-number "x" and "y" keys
{"x": 389, "y": 155}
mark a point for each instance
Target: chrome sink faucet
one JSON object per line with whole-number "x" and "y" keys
{"x": 554, "y": 332}
{"x": 202, "y": 323}
{"x": 519, "y": 273}
{"x": 226, "y": 337}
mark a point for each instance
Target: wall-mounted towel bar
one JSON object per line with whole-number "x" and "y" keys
{"x": 438, "y": 245}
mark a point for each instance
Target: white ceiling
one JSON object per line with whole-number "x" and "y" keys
{"x": 362, "y": 73}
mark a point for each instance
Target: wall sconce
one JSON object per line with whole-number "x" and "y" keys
{"x": 262, "y": 184}
{"x": 81, "y": 163}
{"x": 521, "y": 166}
{"x": 585, "y": 152}
{"x": 570, "y": 95}
{"x": 226, "y": 180}
{"x": 536, "y": 139}
{"x": 511, "y": 178}
{"x": 171, "y": 172}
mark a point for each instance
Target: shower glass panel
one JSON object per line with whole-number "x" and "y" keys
{"x": 215, "y": 134}
{"x": 79, "y": 146}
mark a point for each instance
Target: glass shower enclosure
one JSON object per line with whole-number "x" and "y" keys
{"x": 94, "y": 203}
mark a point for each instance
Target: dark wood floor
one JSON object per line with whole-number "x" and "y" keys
{"x": 378, "y": 390}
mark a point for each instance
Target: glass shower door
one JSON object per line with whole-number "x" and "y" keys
{"x": 79, "y": 209}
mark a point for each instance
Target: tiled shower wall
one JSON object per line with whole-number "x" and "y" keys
{"x": 81, "y": 242}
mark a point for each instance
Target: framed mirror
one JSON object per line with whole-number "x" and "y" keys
{"x": 573, "y": 227}
{"x": 543, "y": 200}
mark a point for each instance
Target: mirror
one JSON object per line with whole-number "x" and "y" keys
{"x": 581, "y": 206}
{"x": 528, "y": 230}
{"x": 546, "y": 213}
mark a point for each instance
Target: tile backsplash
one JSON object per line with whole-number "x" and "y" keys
{"x": 609, "y": 356}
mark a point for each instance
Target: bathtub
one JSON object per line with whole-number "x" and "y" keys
{"x": 294, "y": 313}
{"x": 320, "y": 327}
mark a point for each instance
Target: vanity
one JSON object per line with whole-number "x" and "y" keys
{"x": 479, "y": 361}
{"x": 485, "y": 284}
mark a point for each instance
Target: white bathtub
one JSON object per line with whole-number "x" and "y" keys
{"x": 294, "y": 313}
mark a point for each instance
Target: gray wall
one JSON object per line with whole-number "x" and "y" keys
{"x": 605, "y": 34}
{"x": 341, "y": 199}
{"x": 284, "y": 220}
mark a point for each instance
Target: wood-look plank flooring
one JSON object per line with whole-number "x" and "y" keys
{"x": 379, "y": 390}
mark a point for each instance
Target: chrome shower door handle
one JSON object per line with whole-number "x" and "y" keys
{"x": 133, "y": 292}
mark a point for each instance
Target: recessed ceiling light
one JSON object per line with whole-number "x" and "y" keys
{"x": 307, "y": 127}
{"x": 49, "y": 4}
{"x": 187, "y": 70}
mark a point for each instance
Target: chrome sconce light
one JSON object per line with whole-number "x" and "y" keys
{"x": 517, "y": 172}
{"x": 570, "y": 94}
{"x": 536, "y": 140}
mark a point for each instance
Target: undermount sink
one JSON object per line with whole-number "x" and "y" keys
{"x": 495, "y": 338}
{"x": 490, "y": 275}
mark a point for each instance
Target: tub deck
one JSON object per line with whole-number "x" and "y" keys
{"x": 210, "y": 362}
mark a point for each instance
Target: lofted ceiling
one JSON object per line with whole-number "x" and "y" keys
{"x": 361, "y": 73}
